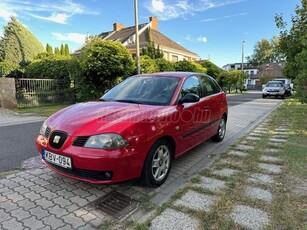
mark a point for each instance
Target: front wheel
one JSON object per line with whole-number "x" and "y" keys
{"x": 157, "y": 164}
{"x": 221, "y": 131}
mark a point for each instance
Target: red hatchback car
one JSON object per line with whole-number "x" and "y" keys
{"x": 135, "y": 130}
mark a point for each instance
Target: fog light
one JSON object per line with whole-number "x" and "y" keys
{"x": 107, "y": 175}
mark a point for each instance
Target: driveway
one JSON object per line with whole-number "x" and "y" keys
{"x": 40, "y": 198}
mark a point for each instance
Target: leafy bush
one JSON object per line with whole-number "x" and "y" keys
{"x": 101, "y": 63}
{"x": 164, "y": 65}
{"x": 188, "y": 66}
{"x": 199, "y": 68}
{"x": 148, "y": 65}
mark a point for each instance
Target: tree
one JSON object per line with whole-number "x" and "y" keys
{"x": 49, "y": 49}
{"x": 212, "y": 69}
{"x": 232, "y": 79}
{"x": 151, "y": 50}
{"x": 57, "y": 51}
{"x": 62, "y": 52}
{"x": 265, "y": 51}
{"x": 265, "y": 77}
{"x": 293, "y": 45}
{"x": 102, "y": 63}
{"x": 18, "y": 45}
{"x": 66, "y": 50}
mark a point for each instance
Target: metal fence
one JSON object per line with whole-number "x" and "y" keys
{"x": 37, "y": 92}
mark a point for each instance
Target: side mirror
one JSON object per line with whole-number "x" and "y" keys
{"x": 107, "y": 90}
{"x": 189, "y": 98}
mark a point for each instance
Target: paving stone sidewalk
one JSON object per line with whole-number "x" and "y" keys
{"x": 41, "y": 199}
{"x": 244, "y": 215}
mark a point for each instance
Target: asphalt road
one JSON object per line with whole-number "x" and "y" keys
{"x": 242, "y": 98}
{"x": 17, "y": 144}
{"x": 17, "y": 141}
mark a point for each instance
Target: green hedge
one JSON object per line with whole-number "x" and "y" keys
{"x": 7, "y": 68}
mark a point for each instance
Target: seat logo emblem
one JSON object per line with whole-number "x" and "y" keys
{"x": 56, "y": 139}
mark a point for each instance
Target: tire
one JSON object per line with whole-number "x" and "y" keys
{"x": 221, "y": 131}
{"x": 283, "y": 96}
{"x": 263, "y": 96}
{"x": 157, "y": 164}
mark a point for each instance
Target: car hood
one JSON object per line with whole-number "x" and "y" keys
{"x": 91, "y": 118}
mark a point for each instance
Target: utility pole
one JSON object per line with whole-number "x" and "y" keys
{"x": 137, "y": 36}
{"x": 242, "y": 54}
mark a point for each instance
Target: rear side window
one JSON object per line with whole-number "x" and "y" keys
{"x": 209, "y": 86}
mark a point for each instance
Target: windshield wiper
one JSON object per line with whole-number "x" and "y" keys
{"x": 129, "y": 101}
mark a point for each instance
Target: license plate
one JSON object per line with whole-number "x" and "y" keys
{"x": 57, "y": 159}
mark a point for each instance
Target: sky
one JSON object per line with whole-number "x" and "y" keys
{"x": 214, "y": 29}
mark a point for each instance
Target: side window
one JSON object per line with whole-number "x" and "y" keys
{"x": 191, "y": 85}
{"x": 209, "y": 86}
{"x": 215, "y": 86}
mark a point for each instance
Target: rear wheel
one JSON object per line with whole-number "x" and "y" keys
{"x": 221, "y": 131}
{"x": 157, "y": 164}
{"x": 263, "y": 96}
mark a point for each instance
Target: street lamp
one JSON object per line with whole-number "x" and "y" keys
{"x": 242, "y": 54}
{"x": 137, "y": 36}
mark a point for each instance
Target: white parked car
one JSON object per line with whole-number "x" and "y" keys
{"x": 274, "y": 88}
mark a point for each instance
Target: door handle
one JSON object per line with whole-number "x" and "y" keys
{"x": 206, "y": 107}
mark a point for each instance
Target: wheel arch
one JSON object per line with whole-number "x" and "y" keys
{"x": 225, "y": 116}
{"x": 172, "y": 143}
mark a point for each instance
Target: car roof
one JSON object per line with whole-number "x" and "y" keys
{"x": 172, "y": 74}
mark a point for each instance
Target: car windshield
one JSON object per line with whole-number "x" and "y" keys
{"x": 275, "y": 84}
{"x": 150, "y": 90}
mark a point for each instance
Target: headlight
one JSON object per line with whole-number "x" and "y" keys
{"x": 106, "y": 141}
{"x": 43, "y": 128}
{"x": 264, "y": 90}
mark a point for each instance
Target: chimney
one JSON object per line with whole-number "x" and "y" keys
{"x": 118, "y": 26}
{"x": 154, "y": 23}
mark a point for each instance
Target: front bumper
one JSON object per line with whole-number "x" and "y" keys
{"x": 273, "y": 94}
{"x": 98, "y": 166}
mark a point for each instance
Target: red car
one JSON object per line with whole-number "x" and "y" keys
{"x": 135, "y": 130}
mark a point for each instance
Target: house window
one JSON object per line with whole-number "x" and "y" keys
{"x": 174, "y": 58}
{"x": 131, "y": 39}
{"x": 252, "y": 73}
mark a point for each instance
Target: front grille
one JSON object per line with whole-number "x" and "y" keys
{"x": 57, "y": 139}
{"x": 82, "y": 173}
{"x": 80, "y": 141}
{"x": 47, "y": 132}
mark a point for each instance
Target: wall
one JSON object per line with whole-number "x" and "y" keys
{"x": 8, "y": 93}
